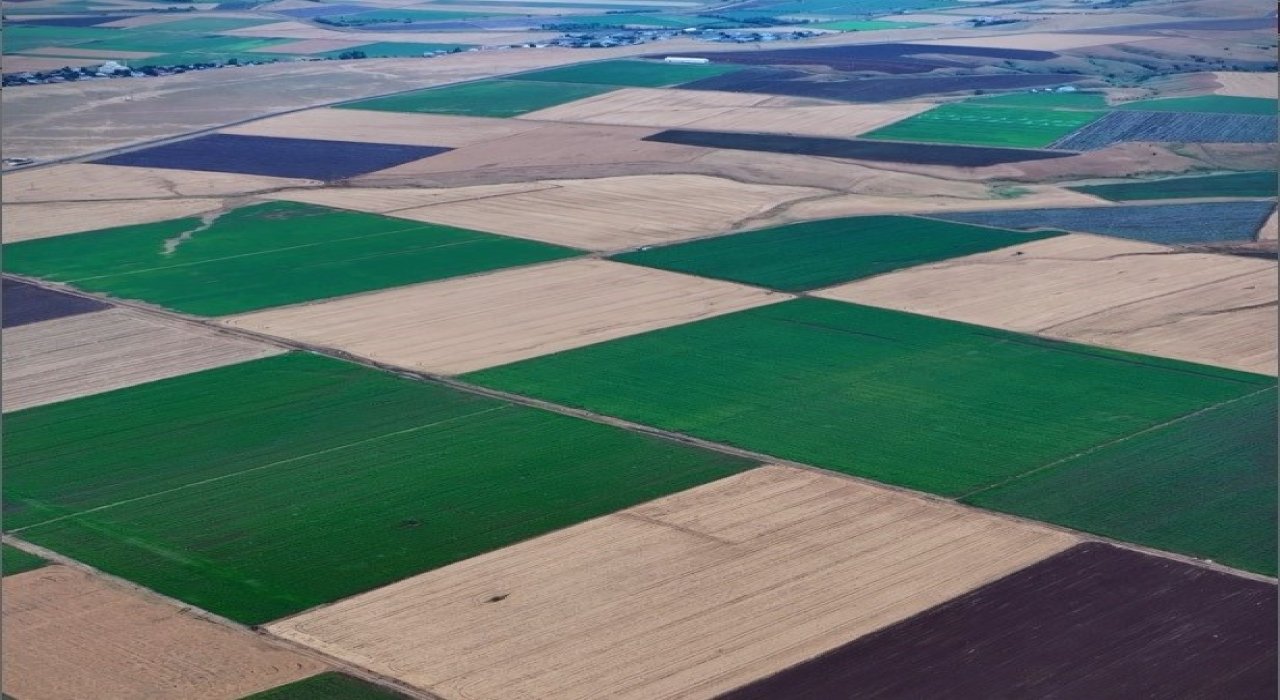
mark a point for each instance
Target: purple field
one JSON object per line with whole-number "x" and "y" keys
{"x": 1170, "y": 127}
{"x": 276, "y": 157}
{"x": 323, "y": 11}
{"x": 794, "y": 83}
{"x": 26, "y": 303}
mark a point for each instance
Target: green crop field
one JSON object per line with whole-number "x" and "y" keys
{"x": 1255, "y": 184}
{"x": 1044, "y": 100}
{"x": 15, "y": 561}
{"x": 909, "y": 400}
{"x": 1220, "y": 104}
{"x": 865, "y": 26}
{"x": 816, "y": 254}
{"x": 487, "y": 98}
{"x": 388, "y": 49}
{"x": 267, "y": 255}
{"x": 265, "y": 488}
{"x": 977, "y": 125}
{"x": 405, "y": 16}
{"x": 19, "y": 38}
{"x": 1204, "y": 486}
{"x": 328, "y": 686}
{"x": 181, "y": 43}
{"x": 629, "y": 73}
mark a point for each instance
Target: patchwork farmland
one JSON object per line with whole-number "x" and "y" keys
{"x": 462, "y": 349}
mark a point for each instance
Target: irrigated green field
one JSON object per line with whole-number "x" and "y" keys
{"x": 814, "y": 254}
{"x": 1220, "y": 104}
{"x": 1204, "y": 486}
{"x": 853, "y": 25}
{"x": 910, "y": 400}
{"x": 487, "y": 98}
{"x": 1257, "y": 184}
{"x": 262, "y": 489}
{"x": 267, "y": 255}
{"x": 15, "y": 561}
{"x": 629, "y": 73}
{"x": 978, "y": 125}
{"x": 328, "y": 686}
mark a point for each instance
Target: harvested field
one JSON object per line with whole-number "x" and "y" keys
{"x": 854, "y": 89}
{"x": 618, "y": 212}
{"x": 26, "y": 303}
{"x": 1170, "y": 127}
{"x": 14, "y": 63}
{"x": 1168, "y": 224}
{"x": 71, "y": 635}
{"x": 77, "y": 182}
{"x": 628, "y": 73}
{"x": 487, "y": 98}
{"x": 386, "y": 200}
{"x": 383, "y": 127}
{"x": 977, "y": 124}
{"x": 699, "y": 592}
{"x": 1268, "y": 230}
{"x": 1219, "y": 104}
{"x": 31, "y": 221}
{"x": 842, "y": 386}
{"x": 1038, "y": 41}
{"x": 814, "y": 254}
{"x": 728, "y": 111}
{"x": 274, "y": 156}
{"x": 1255, "y": 184}
{"x": 880, "y": 58}
{"x": 1214, "y": 309}
{"x": 304, "y": 480}
{"x": 92, "y": 353}
{"x": 960, "y": 156}
{"x": 477, "y": 322}
{"x": 1246, "y": 84}
{"x": 1040, "y": 632}
{"x": 14, "y": 561}
{"x": 328, "y": 686}
{"x": 267, "y": 255}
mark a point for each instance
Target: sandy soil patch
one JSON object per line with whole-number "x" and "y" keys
{"x": 684, "y": 597}
{"x": 24, "y": 222}
{"x": 1268, "y": 230}
{"x": 384, "y": 127}
{"x": 1106, "y": 291}
{"x": 72, "y": 635}
{"x": 91, "y": 353}
{"x": 1039, "y": 41}
{"x": 88, "y": 53}
{"x": 87, "y": 181}
{"x": 469, "y": 324}
{"x": 22, "y": 64}
{"x": 1246, "y": 84}
{"x": 309, "y": 46}
{"x": 616, "y": 213}
{"x": 729, "y": 111}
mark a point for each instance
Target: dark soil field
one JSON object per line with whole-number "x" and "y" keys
{"x": 1255, "y": 184}
{"x": 1170, "y": 127}
{"x": 814, "y": 254}
{"x": 299, "y": 480}
{"x": 277, "y": 157}
{"x": 879, "y": 58}
{"x": 328, "y": 686}
{"x": 852, "y": 89}
{"x": 1169, "y": 224}
{"x": 26, "y": 303}
{"x": 1095, "y": 622}
{"x": 880, "y": 151}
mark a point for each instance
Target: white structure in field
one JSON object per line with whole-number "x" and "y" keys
{"x": 685, "y": 59}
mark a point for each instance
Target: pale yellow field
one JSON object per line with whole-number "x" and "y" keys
{"x": 24, "y": 222}
{"x": 468, "y": 324}
{"x": 383, "y": 127}
{"x": 1246, "y": 84}
{"x": 728, "y": 111}
{"x": 95, "y": 352}
{"x": 78, "y": 182}
{"x": 1105, "y": 291}
{"x": 1041, "y": 41}
{"x": 617, "y": 212}
{"x": 69, "y": 635}
{"x": 684, "y": 597}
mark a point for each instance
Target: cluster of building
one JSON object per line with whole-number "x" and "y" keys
{"x": 113, "y": 69}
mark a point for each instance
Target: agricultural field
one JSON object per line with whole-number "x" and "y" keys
{"x": 847, "y": 25}
{"x": 687, "y": 596}
{"x": 1219, "y": 104}
{"x": 328, "y": 686}
{"x": 799, "y": 257}
{"x": 1044, "y": 100}
{"x": 881, "y": 58}
{"x": 1173, "y": 127}
{"x": 1261, "y": 183}
{"x": 794, "y": 83}
{"x": 649, "y": 74}
{"x": 29, "y": 221}
{"x": 384, "y": 127}
{"x": 247, "y": 259}
{"x": 327, "y": 479}
{"x": 488, "y": 320}
{"x": 977, "y": 124}
{"x": 487, "y": 98}
{"x": 274, "y": 156}
{"x": 1145, "y": 615}
{"x": 70, "y": 634}
{"x": 818, "y": 381}
{"x": 69, "y": 183}
{"x": 15, "y": 561}
{"x": 26, "y": 303}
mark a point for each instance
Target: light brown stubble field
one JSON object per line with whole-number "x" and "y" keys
{"x": 75, "y": 182}
{"x": 24, "y": 222}
{"x": 383, "y": 127}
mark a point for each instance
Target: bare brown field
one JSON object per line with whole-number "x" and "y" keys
{"x": 384, "y": 127}
{"x": 1246, "y": 84}
{"x": 71, "y": 635}
{"x": 91, "y": 353}
{"x": 1106, "y": 291}
{"x": 24, "y": 64}
{"x": 79, "y": 182}
{"x": 310, "y": 46}
{"x": 684, "y": 597}
{"x": 1040, "y": 41}
{"x": 24, "y": 222}
{"x": 468, "y": 324}
{"x": 616, "y": 213}
{"x": 729, "y": 111}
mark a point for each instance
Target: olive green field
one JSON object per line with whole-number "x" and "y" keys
{"x": 328, "y": 686}
{"x": 485, "y": 98}
{"x": 1253, "y": 184}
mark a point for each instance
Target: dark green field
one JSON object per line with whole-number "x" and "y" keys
{"x": 15, "y": 561}
{"x": 816, "y": 254}
{"x": 267, "y": 255}
{"x": 328, "y": 686}
{"x": 1256, "y": 184}
{"x": 629, "y": 73}
{"x": 265, "y": 488}
{"x": 909, "y": 400}
{"x": 1204, "y": 486}
{"x": 487, "y": 98}
{"x": 1220, "y": 104}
